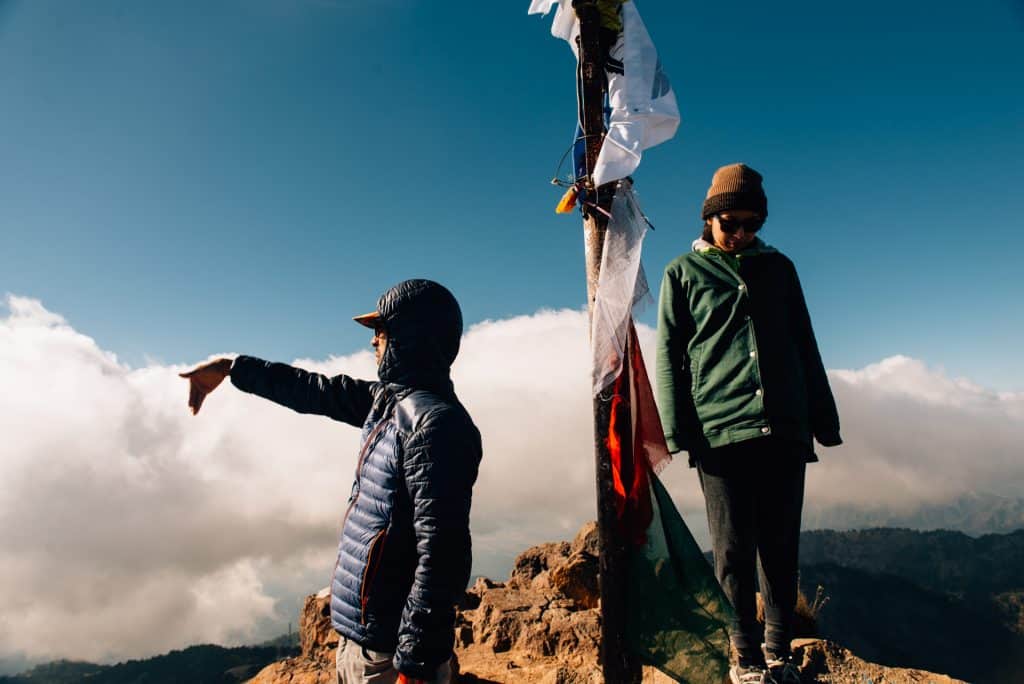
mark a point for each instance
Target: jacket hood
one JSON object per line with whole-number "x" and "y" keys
{"x": 424, "y": 326}
{"x": 758, "y": 246}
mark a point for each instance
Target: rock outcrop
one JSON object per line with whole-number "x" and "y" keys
{"x": 318, "y": 640}
{"x": 542, "y": 626}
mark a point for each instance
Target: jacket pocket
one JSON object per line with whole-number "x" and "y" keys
{"x": 373, "y": 559}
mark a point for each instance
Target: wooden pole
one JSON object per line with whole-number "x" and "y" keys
{"x": 618, "y": 665}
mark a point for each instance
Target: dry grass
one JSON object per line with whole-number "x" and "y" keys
{"x": 805, "y": 623}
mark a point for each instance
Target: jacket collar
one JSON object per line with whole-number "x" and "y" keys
{"x": 758, "y": 246}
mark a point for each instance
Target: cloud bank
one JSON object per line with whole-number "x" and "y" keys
{"x": 129, "y": 527}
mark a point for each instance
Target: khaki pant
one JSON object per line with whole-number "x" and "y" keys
{"x": 358, "y": 665}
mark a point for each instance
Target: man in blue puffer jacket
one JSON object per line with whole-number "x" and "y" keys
{"x": 404, "y": 556}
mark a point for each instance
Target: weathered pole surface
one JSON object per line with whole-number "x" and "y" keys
{"x": 618, "y": 665}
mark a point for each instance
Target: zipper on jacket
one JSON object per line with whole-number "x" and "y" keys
{"x": 372, "y": 564}
{"x": 370, "y": 439}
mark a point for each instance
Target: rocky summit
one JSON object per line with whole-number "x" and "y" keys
{"x": 543, "y": 626}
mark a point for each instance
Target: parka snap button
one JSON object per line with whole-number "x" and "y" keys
{"x": 753, "y": 354}
{"x": 758, "y": 392}
{"x": 743, "y": 287}
{"x": 766, "y": 430}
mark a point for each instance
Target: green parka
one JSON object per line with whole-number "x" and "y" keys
{"x": 736, "y": 357}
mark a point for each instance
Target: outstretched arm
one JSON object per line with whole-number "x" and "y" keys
{"x": 340, "y": 397}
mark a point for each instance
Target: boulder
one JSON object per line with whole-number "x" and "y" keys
{"x": 586, "y": 540}
{"x": 576, "y": 579}
{"x": 535, "y": 561}
{"x": 319, "y": 641}
{"x": 825, "y": 662}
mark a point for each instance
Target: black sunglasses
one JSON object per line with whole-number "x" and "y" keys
{"x": 749, "y": 225}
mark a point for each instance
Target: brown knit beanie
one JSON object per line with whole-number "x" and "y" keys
{"x": 736, "y": 186}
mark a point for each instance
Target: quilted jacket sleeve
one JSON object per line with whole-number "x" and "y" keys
{"x": 341, "y": 397}
{"x": 440, "y": 461}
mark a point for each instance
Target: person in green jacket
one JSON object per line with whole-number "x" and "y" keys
{"x": 742, "y": 389}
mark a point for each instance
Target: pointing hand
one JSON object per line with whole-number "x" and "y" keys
{"x": 204, "y": 379}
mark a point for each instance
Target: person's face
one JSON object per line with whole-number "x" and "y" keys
{"x": 380, "y": 343}
{"x": 734, "y": 230}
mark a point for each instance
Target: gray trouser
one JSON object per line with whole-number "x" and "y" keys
{"x": 754, "y": 494}
{"x": 358, "y": 665}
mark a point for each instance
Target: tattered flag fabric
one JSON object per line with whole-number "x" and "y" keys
{"x": 564, "y": 25}
{"x": 621, "y": 286}
{"x": 643, "y": 105}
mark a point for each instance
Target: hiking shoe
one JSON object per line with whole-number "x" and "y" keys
{"x": 783, "y": 671}
{"x": 739, "y": 674}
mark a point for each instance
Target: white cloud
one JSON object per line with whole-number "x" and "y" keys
{"x": 916, "y": 437}
{"x": 129, "y": 527}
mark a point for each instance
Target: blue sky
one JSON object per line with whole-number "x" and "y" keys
{"x": 180, "y": 179}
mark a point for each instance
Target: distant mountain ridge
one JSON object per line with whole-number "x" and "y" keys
{"x": 203, "y": 664}
{"x": 944, "y": 561}
{"x": 974, "y": 513}
{"x": 939, "y": 600}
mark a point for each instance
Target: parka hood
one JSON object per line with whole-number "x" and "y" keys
{"x": 424, "y": 327}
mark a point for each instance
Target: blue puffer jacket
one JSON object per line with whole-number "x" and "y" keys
{"x": 404, "y": 557}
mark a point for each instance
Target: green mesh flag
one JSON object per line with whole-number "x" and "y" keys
{"x": 677, "y": 614}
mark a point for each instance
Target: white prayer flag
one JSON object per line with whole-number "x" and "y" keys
{"x": 643, "y": 105}
{"x": 621, "y": 287}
